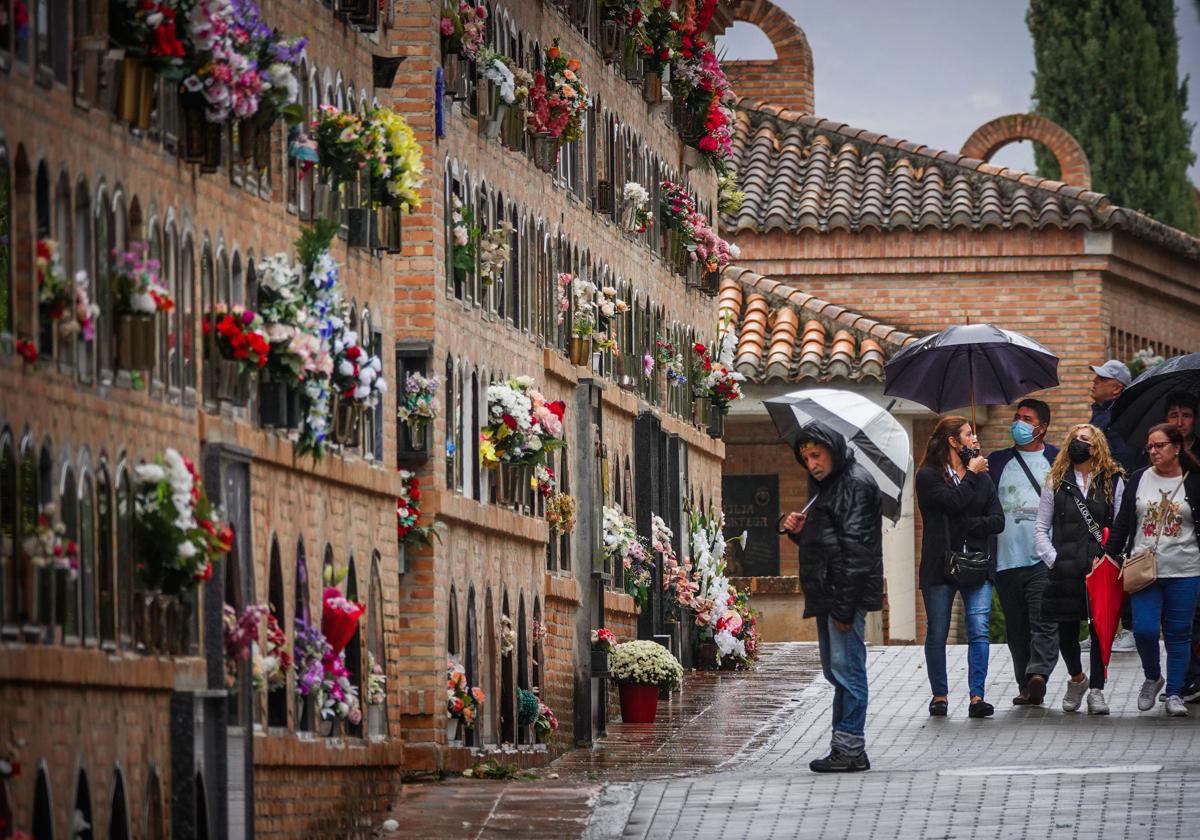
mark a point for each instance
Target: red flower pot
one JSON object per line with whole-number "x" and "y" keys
{"x": 639, "y": 703}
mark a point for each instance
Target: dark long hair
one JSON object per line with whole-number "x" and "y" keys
{"x": 937, "y": 451}
{"x": 1186, "y": 459}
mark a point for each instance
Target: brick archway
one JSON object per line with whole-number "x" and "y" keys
{"x": 995, "y": 135}
{"x": 787, "y": 79}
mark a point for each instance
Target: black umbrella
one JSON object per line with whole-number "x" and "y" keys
{"x": 1144, "y": 403}
{"x": 974, "y": 364}
{"x": 878, "y": 438}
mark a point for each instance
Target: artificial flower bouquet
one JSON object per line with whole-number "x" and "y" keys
{"x": 224, "y": 38}
{"x": 271, "y": 664}
{"x": 151, "y": 30}
{"x": 635, "y": 212}
{"x": 508, "y": 636}
{"x": 138, "y": 287}
{"x": 308, "y": 657}
{"x": 418, "y": 402}
{"x": 177, "y": 532}
{"x": 342, "y": 144}
{"x": 670, "y": 359}
{"x": 408, "y": 514}
{"x": 465, "y": 234}
{"x": 376, "y": 682}
{"x": 48, "y": 548}
{"x": 659, "y": 35}
{"x": 645, "y": 663}
{"x": 239, "y": 335}
{"x": 495, "y": 248}
{"x": 395, "y": 159}
{"x": 558, "y": 99}
{"x": 604, "y": 640}
{"x": 462, "y": 28}
{"x": 463, "y": 702}
{"x": 511, "y": 80}
{"x": 55, "y": 292}
{"x": 522, "y": 425}
{"x": 718, "y": 383}
{"x": 240, "y": 636}
{"x": 628, "y": 13}
{"x": 357, "y": 375}
{"x": 339, "y": 618}
{"x": 625, "y": 550}
{"x": 545, "y": 722}
{"x": 560, "y": 513}
{"x": 543, "y": 481}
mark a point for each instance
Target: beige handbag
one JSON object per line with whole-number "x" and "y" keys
{"x": 1141, "y": 570}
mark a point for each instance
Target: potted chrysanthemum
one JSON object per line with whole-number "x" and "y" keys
{"x": 640, "y": 669}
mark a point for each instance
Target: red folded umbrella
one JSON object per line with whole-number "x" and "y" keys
{"x": 339, "y": 618}
{"x": 1105, "y": 594}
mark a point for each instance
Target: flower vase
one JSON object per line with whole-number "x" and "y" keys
{"x": 626, "y": 370}
{"x": 131, "y": 78}
{"x": 483, "y": 101}
{"x": 652, "y": 88}
{"x": 247, "y": 139}
{"x": 707, "y": 656}
{"x": 604, "y": 197}
{"x": 147, "y": 82}
{"x": 545, "y": 152}
{"x": 580, "y": 350}
{"x": 211, "y": 161}
{"x": 611, "y": 38}
{"x": 459, "y": 738}
{"x": 455, "y": 76}
{"x": 599, "y": 663}
{"x": 639, "y": 703}
{"x": 143, "y": 636}
{"x": 233, "y": 384}
{"x": 178, "y": 627}
{"x": 710, "y": 282}
{"x": 272, "y": 402}
{"x": 492, "y": 126}
{"x": 512, "y": 483}
{"x": 263, "y": 148}
{"x": 135, "y": 342}
{"x": 677, "y": 252}
{"x": 389, "y": 227}
{"x": 415, "y": 436}
{"x": 716, "y": 422}
{"x": 629, "y": 213}
{"x": 191, "y": 106}
{"x": 347, "y": 419}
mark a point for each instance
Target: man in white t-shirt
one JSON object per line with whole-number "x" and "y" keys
{"x": 1019, "y": 473}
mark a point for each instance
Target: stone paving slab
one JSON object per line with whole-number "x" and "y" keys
{"x": 954, "y": 777}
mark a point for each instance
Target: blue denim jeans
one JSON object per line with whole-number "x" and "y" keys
{"x": 844, "y": 663}
{"x": 939, "y": 600}
{"x": 1169, "y": 603}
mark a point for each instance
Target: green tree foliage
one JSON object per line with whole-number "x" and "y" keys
{"x": 1107, "y": 72}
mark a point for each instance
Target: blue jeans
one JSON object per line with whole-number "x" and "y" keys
{"x": 1169, "y": 603}
{"x": 939, "y": 600}
{"x": 844, "y": 663}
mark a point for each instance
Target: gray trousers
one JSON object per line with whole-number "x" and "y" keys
{"x": 1032, "y": 642}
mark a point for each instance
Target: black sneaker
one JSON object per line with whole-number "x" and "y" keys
{"x": 1191, "y": 693}
{"x": 981, "y": 709}
{"x": 938, "y": 708}
{"x": 838, "y": 762}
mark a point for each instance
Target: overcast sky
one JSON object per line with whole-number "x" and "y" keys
{"x": 932, "y": 71}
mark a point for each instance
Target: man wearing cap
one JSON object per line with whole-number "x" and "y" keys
{"x": 841, "y": 574}
{"x": 1110, "y": 380}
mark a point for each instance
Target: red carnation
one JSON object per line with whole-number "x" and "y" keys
{"x": 557, "y": 408}
{"x": 205, "y": 574}
{"x": 510, "y": 421}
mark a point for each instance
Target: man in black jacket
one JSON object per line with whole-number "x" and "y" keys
{"x": 841, "y": 573}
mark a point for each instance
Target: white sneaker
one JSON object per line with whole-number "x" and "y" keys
{"x": 1123, "y": 642}
{"x": 1074, "y": 695}
{"x": 1176, "y": 706}
{"x": 1149, "y": 694}
{"x": 1097, "y": 705}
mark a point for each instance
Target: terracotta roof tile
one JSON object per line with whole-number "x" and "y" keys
{"x": 787, "y": 334}
{"x": 800, "y": 172}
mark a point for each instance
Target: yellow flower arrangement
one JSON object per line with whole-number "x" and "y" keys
{"x": 395, "y": 157}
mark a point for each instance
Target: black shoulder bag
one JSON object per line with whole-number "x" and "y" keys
{"x": 966, "y": 568}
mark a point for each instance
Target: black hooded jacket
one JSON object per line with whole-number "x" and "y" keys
{"x": 841, "y": 546}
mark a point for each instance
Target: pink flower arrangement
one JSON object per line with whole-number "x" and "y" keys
{"x": 604, "y": 639}
{"x": 463, "y": 28}
{"x": 557, "y": 99}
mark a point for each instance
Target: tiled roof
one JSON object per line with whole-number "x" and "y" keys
{"x": 789, "y": 335}
{"x": 801, "y": 172}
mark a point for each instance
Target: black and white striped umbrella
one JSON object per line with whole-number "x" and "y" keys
{"x": 879, "y": 441}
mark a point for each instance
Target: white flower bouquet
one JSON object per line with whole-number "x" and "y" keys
{"x": 645, "y": 663}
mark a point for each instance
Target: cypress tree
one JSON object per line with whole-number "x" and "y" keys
{"x": 1107, "y": 72}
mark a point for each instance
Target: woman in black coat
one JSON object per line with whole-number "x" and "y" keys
{"x": 1083, "y": 474}
{"x": 960, "y": 510}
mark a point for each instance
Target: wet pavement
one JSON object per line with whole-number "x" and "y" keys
{"x": 728, "y": 758}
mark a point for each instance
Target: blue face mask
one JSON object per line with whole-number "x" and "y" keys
{"x": 1022, "y": 433}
